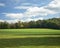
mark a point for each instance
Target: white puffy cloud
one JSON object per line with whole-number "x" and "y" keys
{"x": 10, "y": 21}
{"x": 14, "y": 15}
{"x": 30, "y": 12}
{"x": 1, "y": 20}
{"x": 54, "y": 6}
{"x": 30, "y": 19}
{"x": 22, "y": 7}
{"x": 34, "y": 11}
{"x": 2, "y": 4}
{"x": 38, "y": 11}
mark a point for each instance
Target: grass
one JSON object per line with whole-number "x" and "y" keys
{"x": 31, "y": 42}
{"x": 29, "y": 31}
{"x": 29, "y": 38}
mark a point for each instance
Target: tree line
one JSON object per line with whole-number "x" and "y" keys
{"x": 53, "y": 23}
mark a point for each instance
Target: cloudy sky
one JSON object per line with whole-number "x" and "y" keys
{"x": 27, "y": 10}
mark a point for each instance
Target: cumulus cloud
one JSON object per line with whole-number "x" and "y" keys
{"x": 14, "y": 15}
{"x": 33, "y": 11}
{"x": 38, "y": 11}
{"x": 30, "y": 12}
{"x": 1, "y": 20}
{"x": 54, "y": 6}
{"x": 10, "y": 21}
{"x": 30, "y": 19}
{"x": 22, "y": 7}
{"x": 2, "y": 4}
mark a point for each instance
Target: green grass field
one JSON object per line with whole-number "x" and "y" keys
{"x": 29, "y": 38}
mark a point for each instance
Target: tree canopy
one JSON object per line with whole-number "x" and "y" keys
{"x": 53, "y": 23}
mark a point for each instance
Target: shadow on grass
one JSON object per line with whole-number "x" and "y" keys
{"x": 34, "y": 41}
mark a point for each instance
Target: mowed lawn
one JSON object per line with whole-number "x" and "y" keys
{"x": 29, "y": 31}
{"x": 29, "y": 38}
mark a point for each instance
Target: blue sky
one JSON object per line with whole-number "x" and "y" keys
{"x": 27, "y": 10}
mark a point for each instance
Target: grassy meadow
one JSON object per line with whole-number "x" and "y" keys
{"x": 29, "y": 38}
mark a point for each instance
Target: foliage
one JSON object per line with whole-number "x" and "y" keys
{"x": 49, "y": 23}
